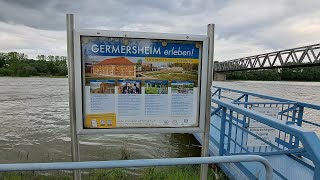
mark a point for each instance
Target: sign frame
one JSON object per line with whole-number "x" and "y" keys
{"x": 79, "y": 72}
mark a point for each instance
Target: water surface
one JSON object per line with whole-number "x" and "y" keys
{"x": 34, "y": 117}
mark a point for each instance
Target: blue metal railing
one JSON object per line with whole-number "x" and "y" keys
{"x": 289, "y": 111}
{"x": 233, "y": 109}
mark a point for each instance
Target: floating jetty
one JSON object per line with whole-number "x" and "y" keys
{"x": 275, "y": 128}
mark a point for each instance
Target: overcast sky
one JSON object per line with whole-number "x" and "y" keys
{"x": 243, "y": 27}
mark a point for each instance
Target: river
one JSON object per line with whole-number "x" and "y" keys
{"x": 34, "y": 117}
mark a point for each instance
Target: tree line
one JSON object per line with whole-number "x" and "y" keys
{"x": 280, "y": 74}
{"x": 18, "y": 64}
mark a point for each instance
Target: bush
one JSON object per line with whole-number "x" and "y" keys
{"x": 6, "y": 72}
{"x": 27, "y": 71}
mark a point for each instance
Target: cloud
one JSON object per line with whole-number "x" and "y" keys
{"x": 31, "y": 41}
{"x": 36, "y": 14}
{"x": 243, "y": 28}
{"x": 292, "y": 31}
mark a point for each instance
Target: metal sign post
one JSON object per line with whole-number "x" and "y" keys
{"x": 206, "y": 134}
{"x": 72, "y": 100}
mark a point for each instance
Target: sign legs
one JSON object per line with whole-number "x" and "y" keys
{"x": 206, "y": 134}
{"x": 72, "y": 104}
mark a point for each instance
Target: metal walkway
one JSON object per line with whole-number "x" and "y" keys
{"x": 294, "y": 152}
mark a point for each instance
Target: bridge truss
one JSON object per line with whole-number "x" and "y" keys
{"x": 296, "y": 57}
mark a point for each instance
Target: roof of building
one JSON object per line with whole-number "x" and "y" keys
{"x": 116, "y": 61}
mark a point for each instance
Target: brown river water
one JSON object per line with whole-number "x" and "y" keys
{"x": 34, "y": 117}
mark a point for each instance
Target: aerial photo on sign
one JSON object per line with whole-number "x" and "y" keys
{"x": 119, "y": 58}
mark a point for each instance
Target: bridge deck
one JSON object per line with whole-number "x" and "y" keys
{"x": 285, "y": 167}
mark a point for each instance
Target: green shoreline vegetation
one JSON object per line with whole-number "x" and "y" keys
{"x": 281, "y": 74}
{"x": 19, "y": 65}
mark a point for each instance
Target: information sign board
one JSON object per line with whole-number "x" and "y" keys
{"x": 128, "y": 82}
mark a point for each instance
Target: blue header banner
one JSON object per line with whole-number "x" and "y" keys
{"x": 105, "y": 46}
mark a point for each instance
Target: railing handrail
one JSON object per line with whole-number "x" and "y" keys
{"x": 308, "y": 138}
{"x": 137, "y": 163}
{"x": 307, "y": 105}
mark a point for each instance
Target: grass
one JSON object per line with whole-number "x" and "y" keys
{"x": 151, "y": 90}
{"x": 112, "y": 174}
{"x": 189, "y": 172}
{"x": 183, "y": 76}
{"x": 34, "y": 176}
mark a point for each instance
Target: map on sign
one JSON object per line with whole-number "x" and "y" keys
{"x": 132, "y": 82}
{"x": 263, "y": 131}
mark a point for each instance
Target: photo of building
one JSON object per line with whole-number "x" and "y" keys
{"x": 138, "y": 68}
{"x": 115, "y": 67}
{"x": 102, "y": 87}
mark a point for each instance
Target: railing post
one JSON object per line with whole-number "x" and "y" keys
{"x": 294, "y": 114}
{"x": 222, "y": 130}
{"x": 229, "y": 130}
{"x": 246, "y": 99}
{"x": 299, "y": 123}
{"x": 219, "y": 94}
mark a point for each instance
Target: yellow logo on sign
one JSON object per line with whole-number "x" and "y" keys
{"x": 106, "y": 120}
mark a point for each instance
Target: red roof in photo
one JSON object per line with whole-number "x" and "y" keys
{"x": 116, "y": 61}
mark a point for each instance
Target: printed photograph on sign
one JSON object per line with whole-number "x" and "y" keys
{"x": 102, "y": 86}
{"x": 182, "y": 87}
{"x": 156, "y": 87}
{"x": 129, "y": 87}
{"x": 139, "y": 81}
{"x": 140, "y": 59}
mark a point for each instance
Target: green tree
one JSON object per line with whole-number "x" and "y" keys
{"x": 56, "y": 58}
{"x": 18, "y": 64}
{"x": 50, "y": 58}
{"x": 6, "y": 72}
{"x": 139, "y": 62}
{"x": 41, "y": 57}
{"x": 3, "y": 57}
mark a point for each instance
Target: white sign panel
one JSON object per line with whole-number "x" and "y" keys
{"x": 264, "y": 131}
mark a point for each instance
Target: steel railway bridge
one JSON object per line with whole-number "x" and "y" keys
{"x": 295, "y": 57}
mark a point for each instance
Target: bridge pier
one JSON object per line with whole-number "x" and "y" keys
{"x": 219, "y": 76}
